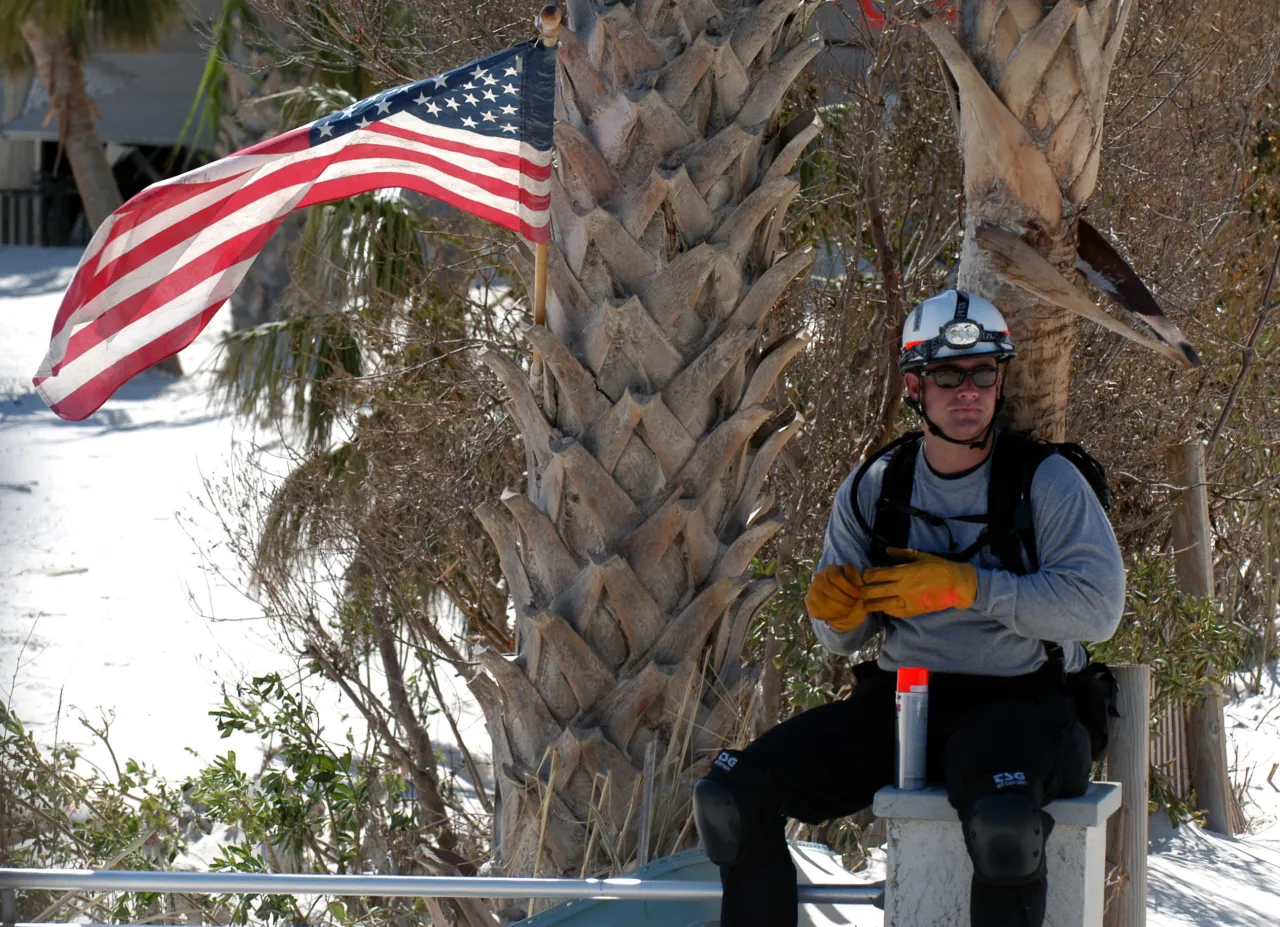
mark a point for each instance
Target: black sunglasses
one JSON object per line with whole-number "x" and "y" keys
{"x": 950, "y": 377}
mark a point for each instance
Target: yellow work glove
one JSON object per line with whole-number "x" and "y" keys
{"x": 926, "y": 584}
{"x": 835, "y": 597}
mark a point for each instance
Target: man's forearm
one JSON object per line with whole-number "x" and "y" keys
{"x": 1057, "y": 606}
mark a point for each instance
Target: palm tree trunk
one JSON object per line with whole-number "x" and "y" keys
{"x": 649, "y": 437}
{"x": 1033, "y": 88}
{"x": 69, "y": 102}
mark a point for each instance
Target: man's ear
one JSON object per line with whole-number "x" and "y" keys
{"x": 912, "y": 381}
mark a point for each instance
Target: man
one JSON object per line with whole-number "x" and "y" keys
{"x": 997, "y": 632}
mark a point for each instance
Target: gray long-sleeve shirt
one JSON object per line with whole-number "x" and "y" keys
{"x": 1076, "y": 595}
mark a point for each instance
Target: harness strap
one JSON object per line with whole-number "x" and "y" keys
{"x": 1012, "y": 531}
{"x": 885, "y": 531}
{"x": 893, "y": 509}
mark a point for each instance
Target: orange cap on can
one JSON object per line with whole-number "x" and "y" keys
{"x": 913, "y": 679}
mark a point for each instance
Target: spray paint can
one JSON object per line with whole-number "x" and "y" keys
{"x": 913, "y": 725}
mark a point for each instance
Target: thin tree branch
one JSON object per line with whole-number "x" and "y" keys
{"x": 891, "y": 398}
{"x": 419, "y": 740}
{"x": 1246, "y": 360}
{"x": 467, "y": 758}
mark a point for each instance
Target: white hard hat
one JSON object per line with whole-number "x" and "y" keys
{"x": 953, "y": 325}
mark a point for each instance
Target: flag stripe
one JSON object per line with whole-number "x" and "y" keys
{"x": 514, "y": 162}
{"x": 147, "y": 261}
{"x": 536, "y": 159}
{"x": 291, "y": 142}
{"x": 173, "y": 285}
{"x": 160, "y": 284}
{"x": 106, "y": 352}
{"x": 187, "y": 196}
{"x": 89, "y": 397}
{"x": 142, "y": 225}
{"x": 147, "y": 248}
{"x": 104, "y": 246}
{"x": 329, "y": 190}
{"x": 155, "y": 282}
{"x": 495, "y": 186}
{"x": 150, "y": 286}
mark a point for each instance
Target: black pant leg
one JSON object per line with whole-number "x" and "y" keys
{"x": 1033, "y": 746}
{"x": 824, "y": 763}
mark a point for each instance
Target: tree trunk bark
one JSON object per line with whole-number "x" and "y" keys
{"x": 650, "y": 432}
{"x": 1032, "y": 81}
{"x": 69, "y": 103}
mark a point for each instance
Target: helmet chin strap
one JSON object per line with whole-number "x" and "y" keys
{"x": 937, "y": 432}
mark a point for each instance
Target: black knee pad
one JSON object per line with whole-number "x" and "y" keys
{"x": 1006, "y": 834}
{"x": 719, "y": 819}
{"x": 732, "y": 820}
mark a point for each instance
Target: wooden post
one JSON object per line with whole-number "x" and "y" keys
{"x": 1128, "y": 763}
{"x": 548, "y": 21}
{"x": 540, "y": 284}
{"x": 1193, "y": 563}
{"x": 1192, "y": 544}
{"x": 644, "y": 828}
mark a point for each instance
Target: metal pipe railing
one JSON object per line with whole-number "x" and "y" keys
{"x": 280, "y": 883}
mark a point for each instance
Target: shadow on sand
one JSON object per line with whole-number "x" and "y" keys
{"x": 145, "y": 386}
{"x": 35, "y": 271}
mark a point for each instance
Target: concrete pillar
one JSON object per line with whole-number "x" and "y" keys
{"x": 929, "y": 871}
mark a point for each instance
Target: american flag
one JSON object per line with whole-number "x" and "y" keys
{"x": 160, "y": 267}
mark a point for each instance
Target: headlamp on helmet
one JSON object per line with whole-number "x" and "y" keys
{"x": 961, "y": 333}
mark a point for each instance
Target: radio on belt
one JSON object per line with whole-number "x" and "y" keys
{"x": 913, "y": 725}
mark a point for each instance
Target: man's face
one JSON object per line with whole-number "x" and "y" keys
{"x": 962, "y": 412}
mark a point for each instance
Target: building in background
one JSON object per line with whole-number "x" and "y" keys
{"x": 143, "y": 99}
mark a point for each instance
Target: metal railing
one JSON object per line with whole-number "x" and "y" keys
{"x": 22, "y": 217}
{"x": 275, "y": 883}
{"x": 45, "y": 214}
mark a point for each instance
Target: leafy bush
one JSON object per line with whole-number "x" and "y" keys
{"x": 313, "y": 807}
{"x": 1190, "y": 643}
{"x": 54, "y": 814}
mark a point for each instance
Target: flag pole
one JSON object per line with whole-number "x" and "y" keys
{"x": 549, "y": 19}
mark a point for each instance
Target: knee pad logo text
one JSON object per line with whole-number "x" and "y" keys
{"x": 1003, "y": 780}
{"x": 727, "y": 762}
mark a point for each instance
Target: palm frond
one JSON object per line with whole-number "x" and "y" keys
{"x": 14, "y": 55}
{"x": 300, "y": 105}
{"x": 365, "y": 246}
{"x": 132, "y": 25}
{"x": 237, "y": 21}
{"x": 135, "y": 25}
{"x": 295, "y": 367}
{"x": 295, "y": 524}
